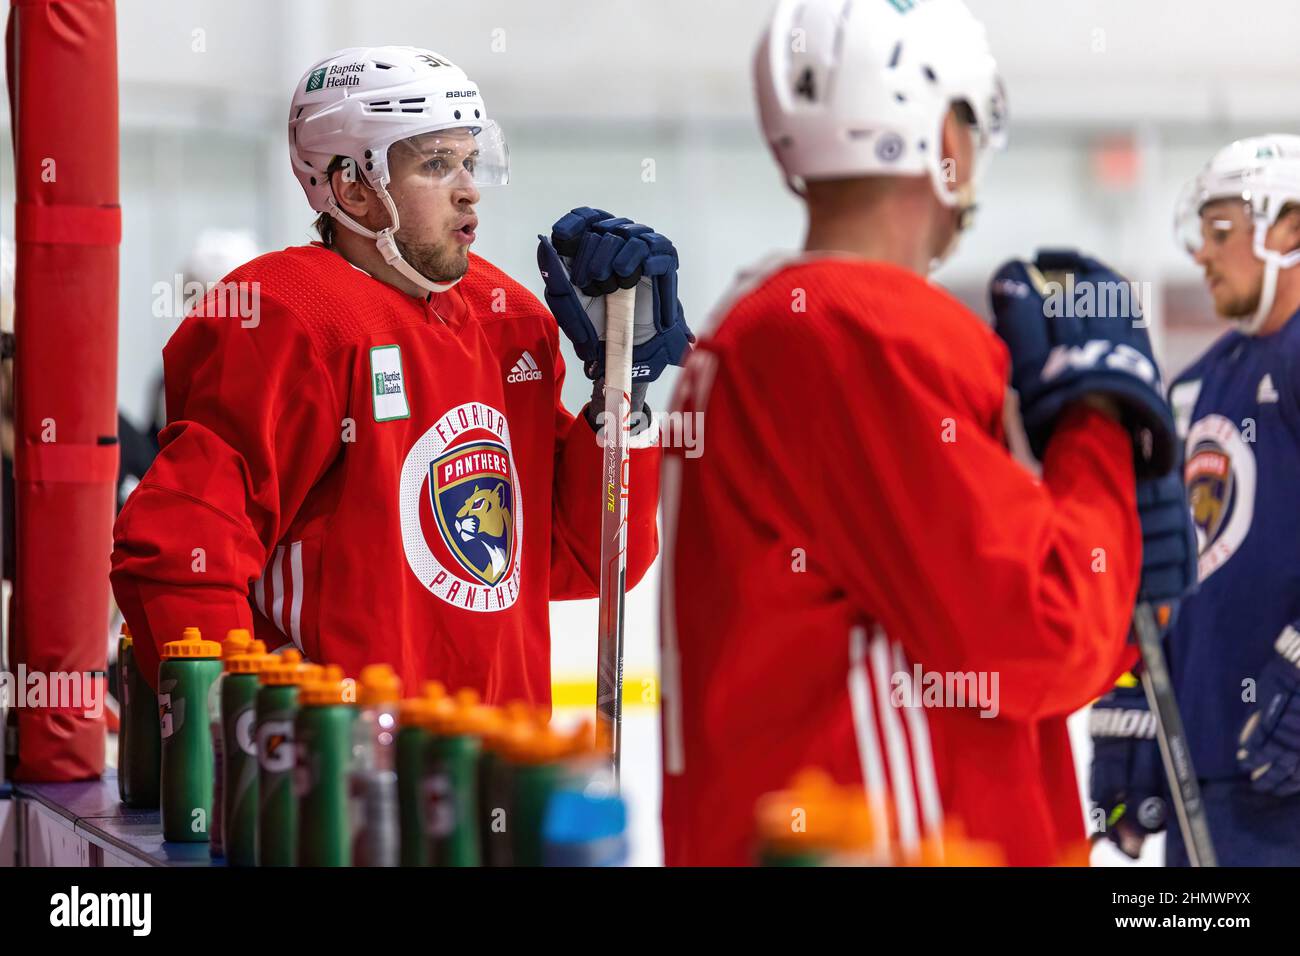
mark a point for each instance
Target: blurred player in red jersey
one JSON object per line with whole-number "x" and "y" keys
{"x": 357, "y": 428}
{"x": 854, "y": 528}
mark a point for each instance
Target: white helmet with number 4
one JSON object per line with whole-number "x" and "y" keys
{"x": 851, "y": 88}
{"x": 1263, "y": 172}
{"x": 359, "y": 102}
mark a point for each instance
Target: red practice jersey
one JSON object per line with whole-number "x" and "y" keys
{"x": 374, "y": 477}
{"x": 854, "y": 522}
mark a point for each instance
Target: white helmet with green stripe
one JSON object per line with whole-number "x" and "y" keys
{"x": 360, "y": 102}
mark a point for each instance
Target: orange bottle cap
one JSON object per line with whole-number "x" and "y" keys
{"x": 815, "y": 816}
{"x": 411, "y": 711}
{"x": 582, "y": 739}
{"x": 326, "y": 688}
{"x": 954, "y": 848}
{"x": 528, "y": 742}
{"x": 236, "y": 642}
{"x": 438, "y": 715}
{"x": 284, "y": 669}
{"x": 191, "y": 645}
{"x": 251, "y": 661}
{"x": 466, "y": 715}
{"x": 379, "y": 684}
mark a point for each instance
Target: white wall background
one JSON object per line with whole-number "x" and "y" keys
{"x": 587, "y": 90}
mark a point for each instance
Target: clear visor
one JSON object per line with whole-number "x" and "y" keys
{"x": 453, "y": 157}
{"x": 1205, "y": 217}
{"x": 988, "y": 125}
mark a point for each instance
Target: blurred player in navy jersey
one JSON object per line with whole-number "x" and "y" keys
{"x": 1234, "y": 648}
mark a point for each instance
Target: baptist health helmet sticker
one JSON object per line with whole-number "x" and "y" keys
{"x": 465, "y": 468}
{"x": 1220, "y": 476}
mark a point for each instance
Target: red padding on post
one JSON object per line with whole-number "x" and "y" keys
{"x": 62, "y": 78}
{"x": 76, "y": 464}
{"x": 69, "y": 225}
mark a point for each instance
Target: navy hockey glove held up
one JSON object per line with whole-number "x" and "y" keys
{"x": 590, "y": 254}
{"x": 1168, "y": 542}
{"x": 1062, "y": 349}
{"x": 1270, "y": 741}
{"x": 1127, "y": 780}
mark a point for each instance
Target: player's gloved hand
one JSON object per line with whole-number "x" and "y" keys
{"x": 1269, "y": 744}
{"x": 1169, "y": 553}
{"x": 1062, "y": 350}
{"x": 590, "y": 254}
{"x": 1127, "y": 780}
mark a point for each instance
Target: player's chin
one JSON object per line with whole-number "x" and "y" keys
{"x": 451, "y": 265}
{"x": 1234, "y": 307}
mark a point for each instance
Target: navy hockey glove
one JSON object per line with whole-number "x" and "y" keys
{"x": 1269, "y": 745}
{"x": 590, "y": 254}
{"x": 1127, "y": 780}
{"x": 1169, "y": 552}
{"x": 1062, "y": 350}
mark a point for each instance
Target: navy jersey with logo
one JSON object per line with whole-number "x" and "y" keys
{"x": 1238, "y": 411}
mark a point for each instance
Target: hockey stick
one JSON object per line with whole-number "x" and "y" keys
{"x": 620, "y": 307}
{"x": 1183, "y": 785}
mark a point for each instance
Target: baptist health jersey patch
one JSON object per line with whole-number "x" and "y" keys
{"x": 462, "y": 510}
{"x": 1220, "y": 476}
{"x": 387, "y": 387}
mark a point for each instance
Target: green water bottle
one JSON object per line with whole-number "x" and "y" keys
{"x": 277, "y": 711}
{"x": 536, "y": 770}
{"x": 236, "y": 642}
{"x": 239, "y": 686}
{"x": 450, "y": 787}
{"x": 372, "y": 789}
{"x": 185, "y": 677}
{"x": 496, "y": 784}
{"x": 323, "y": 741}
{"x": 409, "y": 757}
{"x": 139, "y": 742}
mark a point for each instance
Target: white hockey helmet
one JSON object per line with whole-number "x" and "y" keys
{"x": 1264, "y": 173}
{"x": 862, "y": 88}
{"x": 359, "y": 102}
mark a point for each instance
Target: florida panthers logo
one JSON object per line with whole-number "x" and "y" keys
{"x": 470, "y": 490}
{"x": 461, "y": 508}
{"x": 1220, "y": 476}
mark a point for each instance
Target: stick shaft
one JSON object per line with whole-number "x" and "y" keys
{"x": 1184, "y": 788}
{"x": 619, "y": 310}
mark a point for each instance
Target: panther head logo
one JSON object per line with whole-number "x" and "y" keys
{"x": 473, "y": 491}
{"x": 483, "y": 521}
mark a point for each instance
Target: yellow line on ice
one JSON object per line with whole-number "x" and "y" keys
{"x": 639, "y": 690}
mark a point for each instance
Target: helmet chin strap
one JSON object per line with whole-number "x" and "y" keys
{"x": 1274, "y": 262}
{"x": 962, "y": 201}
{"x": 386, "y": 243}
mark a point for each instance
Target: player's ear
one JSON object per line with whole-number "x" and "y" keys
{"x": 958, "y": 144}
{"x": 1285, "y": 234}
{"x": 352, "y": 193}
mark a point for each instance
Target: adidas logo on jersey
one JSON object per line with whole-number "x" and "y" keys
{"x": 525, "y": 370}
{"x": 1266, "y": 392}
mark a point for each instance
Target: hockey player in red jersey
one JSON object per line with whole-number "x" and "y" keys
{"x": 372, "y": 461}
{"x": 858, "y": 576}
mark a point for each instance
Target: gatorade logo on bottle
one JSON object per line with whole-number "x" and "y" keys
{"x": 244, "y": 732}
{"x": 275, "y": 746}
{"x": 171, "y": 716}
